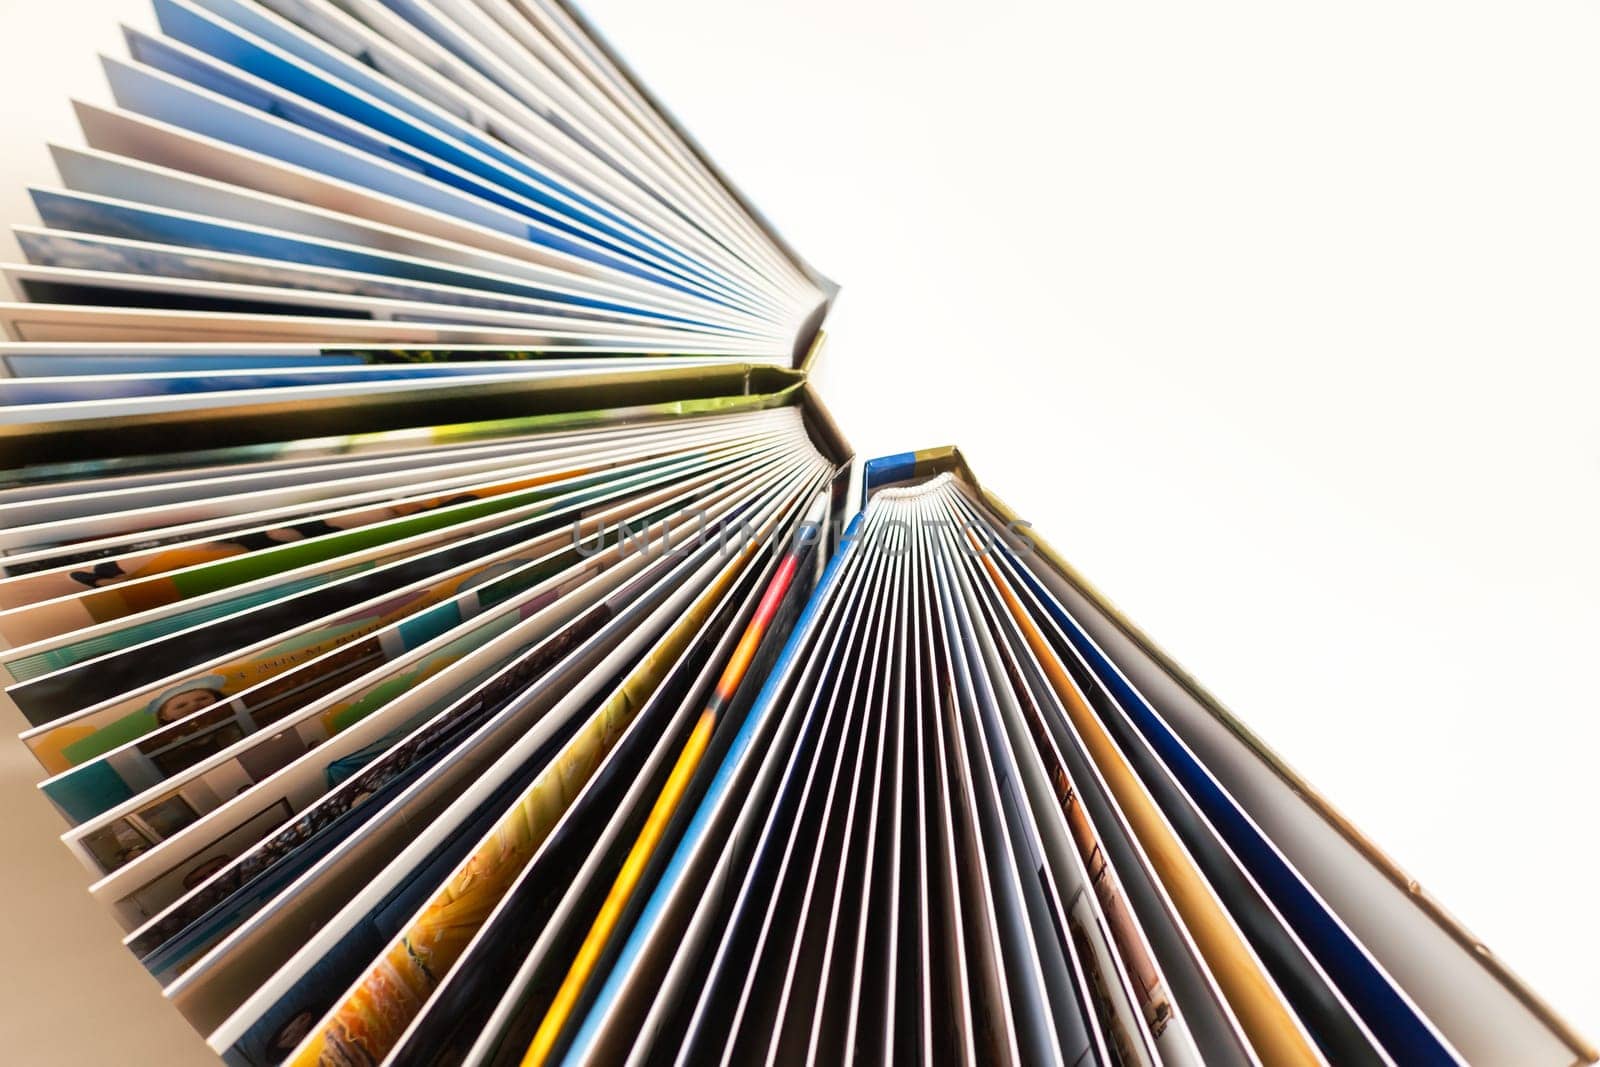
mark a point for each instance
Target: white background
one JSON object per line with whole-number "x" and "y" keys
{"x": 1278, "y": 319}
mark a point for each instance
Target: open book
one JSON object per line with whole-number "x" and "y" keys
{"x": 435, "y": 598}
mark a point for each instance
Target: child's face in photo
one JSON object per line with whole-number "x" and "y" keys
{"x": 185, "y": 704}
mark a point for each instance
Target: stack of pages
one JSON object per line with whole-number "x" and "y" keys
{"x": 428, "y": 588}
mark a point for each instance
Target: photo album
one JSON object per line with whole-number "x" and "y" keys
{"x": 453, "y": 630}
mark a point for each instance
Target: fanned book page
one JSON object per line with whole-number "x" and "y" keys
{"x": 427, "y": 590}
{"x": 286, "y": 200}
